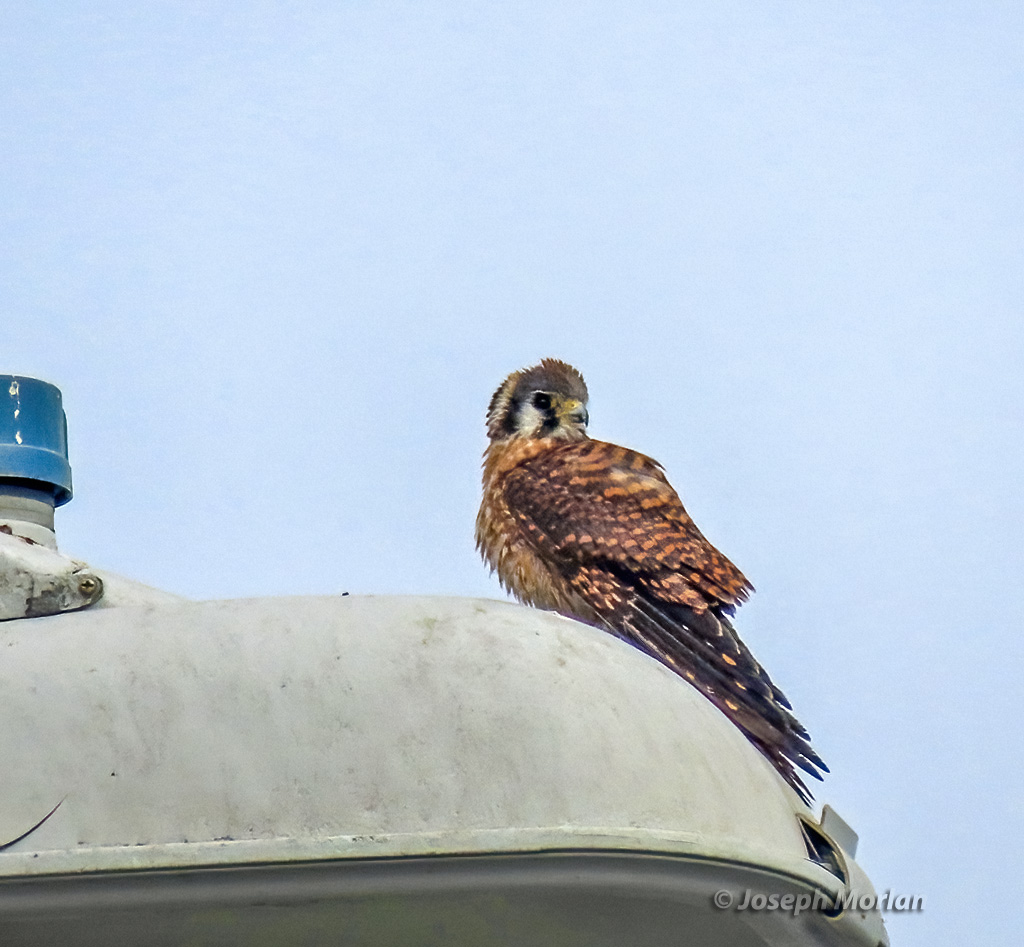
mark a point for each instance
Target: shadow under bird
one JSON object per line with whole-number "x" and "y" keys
{"x": 595, "y": 532}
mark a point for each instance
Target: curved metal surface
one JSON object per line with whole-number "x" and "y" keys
{"x": 194, "y": 739}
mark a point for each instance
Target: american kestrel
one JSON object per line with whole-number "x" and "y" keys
{"x": 595, "y": 532}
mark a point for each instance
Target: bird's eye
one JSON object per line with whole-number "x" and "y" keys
{"x": 542, "y": 401}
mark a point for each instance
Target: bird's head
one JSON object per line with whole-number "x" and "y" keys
{"x": 547, "y": 400}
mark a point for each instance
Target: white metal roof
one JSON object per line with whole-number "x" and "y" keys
{"x": 333, "y": 737}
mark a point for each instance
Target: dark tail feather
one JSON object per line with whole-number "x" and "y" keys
{"x": 705, "y": 650}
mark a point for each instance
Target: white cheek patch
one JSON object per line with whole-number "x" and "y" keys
{"x": 529, "y": 420}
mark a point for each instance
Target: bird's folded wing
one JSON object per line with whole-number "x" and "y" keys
{"x": 627, "y": 548}
{"x": 592, "y": 499}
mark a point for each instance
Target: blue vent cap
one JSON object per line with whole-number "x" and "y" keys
{"x": 34, "y": 436}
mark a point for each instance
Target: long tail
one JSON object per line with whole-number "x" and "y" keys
{"x": 706, "y": 650}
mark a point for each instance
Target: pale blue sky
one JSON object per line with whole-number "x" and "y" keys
{"x": 277, "y": 256}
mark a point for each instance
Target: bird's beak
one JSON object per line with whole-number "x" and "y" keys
{"x": 572, "y": 410}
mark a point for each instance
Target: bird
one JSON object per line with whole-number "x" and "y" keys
{"x": 595, "y": 532}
